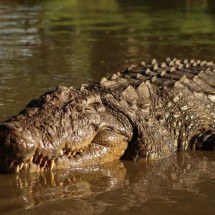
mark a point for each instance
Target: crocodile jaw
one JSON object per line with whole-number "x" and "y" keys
{"x": 67, "y": 155}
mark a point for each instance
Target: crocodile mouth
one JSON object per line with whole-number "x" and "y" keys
{"x": 89, "y": 152}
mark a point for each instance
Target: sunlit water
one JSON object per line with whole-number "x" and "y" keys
{"x": 68, "y": 42}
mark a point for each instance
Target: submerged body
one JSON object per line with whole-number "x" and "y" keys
{"x": 148, "y": 111}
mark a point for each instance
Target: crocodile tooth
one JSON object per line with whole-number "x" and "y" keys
{"x": 17, "y": 169}
{"x": 21, "y": 165}
{"x": 69, "y": 153}
{"x": 31, "y": 159}
{"x": 25, "y": 166}
{"x": 42, "y": 167}
{"x": 35, "y": 158}
{"x": 52, "y": 164}
{"x": 45, "y": 163}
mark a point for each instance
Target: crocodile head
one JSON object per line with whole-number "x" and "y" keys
{"x": 64, "y": 128}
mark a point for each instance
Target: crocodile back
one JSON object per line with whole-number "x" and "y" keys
{"x": 171, "y": 101}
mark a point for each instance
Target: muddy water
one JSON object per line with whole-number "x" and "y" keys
{"x": 48, "y": 43}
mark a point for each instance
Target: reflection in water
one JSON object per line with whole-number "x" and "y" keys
{"x": 178, "y": 180}
{"x": 48, "y": 43}
{"x": 32, "y": 190}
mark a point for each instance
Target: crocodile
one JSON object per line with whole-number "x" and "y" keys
{"x": 147, "y": 111}
{"x": 185, "y": 170}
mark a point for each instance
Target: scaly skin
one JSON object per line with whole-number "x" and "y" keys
{"x": 147, "y": 111}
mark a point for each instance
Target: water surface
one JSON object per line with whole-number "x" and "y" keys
{"x": 48, "y": 43}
